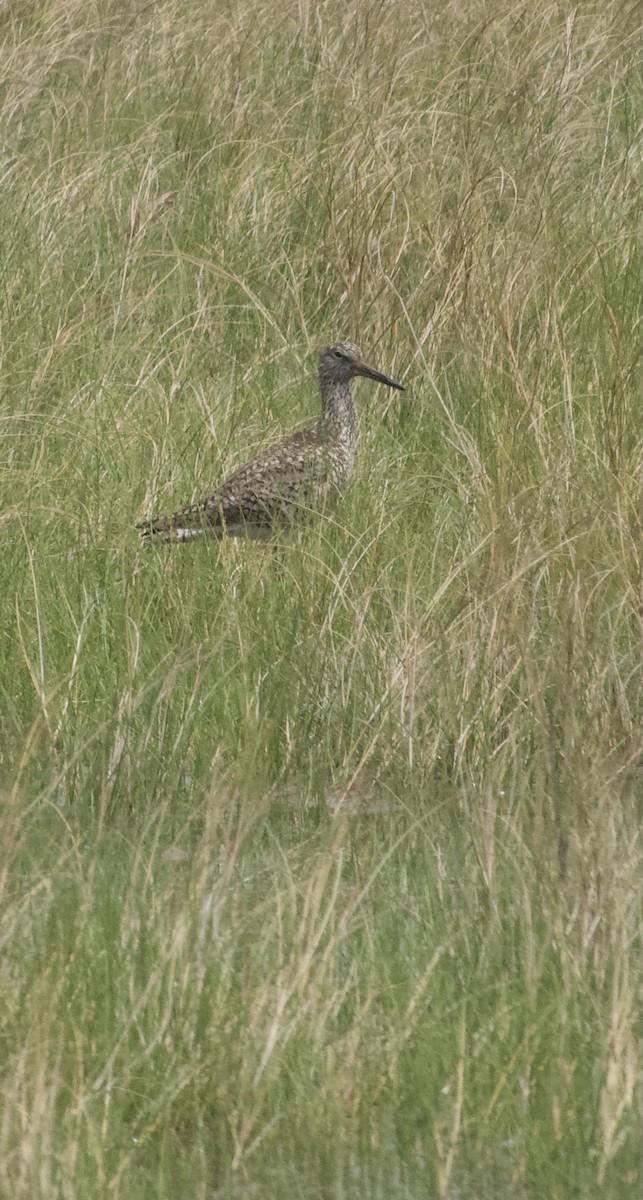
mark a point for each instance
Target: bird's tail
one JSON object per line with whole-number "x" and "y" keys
{"x": 177, "y": 528}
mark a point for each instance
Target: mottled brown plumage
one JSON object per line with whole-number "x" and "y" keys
{"x": 296, "y": 475}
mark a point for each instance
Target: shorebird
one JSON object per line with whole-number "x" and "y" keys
{"x": 296, "y": 475}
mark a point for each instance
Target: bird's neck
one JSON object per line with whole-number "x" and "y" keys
{"x": 337, "y": 405}
{"x": 339, "y": 422}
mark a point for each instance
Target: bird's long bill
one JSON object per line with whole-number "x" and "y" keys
{"x": 370, "y": 373}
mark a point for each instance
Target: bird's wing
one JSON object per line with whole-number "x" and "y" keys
{"x": 266, "y": 488}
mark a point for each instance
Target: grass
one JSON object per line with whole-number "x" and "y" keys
{"x": 321, "y": 863}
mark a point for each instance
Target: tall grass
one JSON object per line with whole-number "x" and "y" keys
{"x": 321, "y": 861}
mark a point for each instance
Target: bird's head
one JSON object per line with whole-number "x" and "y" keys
{"x": 342, "y": 361}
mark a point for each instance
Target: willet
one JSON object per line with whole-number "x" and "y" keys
{"x": 296, "y": 475}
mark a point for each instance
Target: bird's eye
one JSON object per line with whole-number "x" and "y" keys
{"x": 337, "y": 354}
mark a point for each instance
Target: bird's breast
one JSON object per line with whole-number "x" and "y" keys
{"x": 341, "y": 460}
